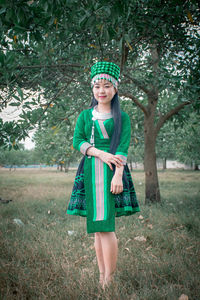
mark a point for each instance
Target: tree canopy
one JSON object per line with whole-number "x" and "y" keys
{"x": 48, "y": 47}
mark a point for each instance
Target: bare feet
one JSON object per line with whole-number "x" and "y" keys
{"x": 101, "y": 279}
{"x": 109, "y": 279}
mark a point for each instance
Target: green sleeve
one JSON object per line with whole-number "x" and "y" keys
{"x": 125, "y": 137}
{"x": 79, "y": 140}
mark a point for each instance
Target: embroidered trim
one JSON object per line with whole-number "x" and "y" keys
{"x": 84, "y": 147}
{"x": 99, "y": 177}
{"x": 103, "y": 129}
{"x": 106, "y": 77}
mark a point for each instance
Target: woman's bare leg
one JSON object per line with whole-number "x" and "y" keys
{"x": 110, "y": 250}
{"x": 100, "y": 259}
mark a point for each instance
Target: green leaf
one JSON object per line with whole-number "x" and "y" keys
{"x": 16, "y": 97}
{"x": 2, "y": 10}
{"x": 14, "y": 104}
{"x": 20, "y": 92}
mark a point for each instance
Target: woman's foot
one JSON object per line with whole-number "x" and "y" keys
{"x": 109, "y": 279}
{"x": 102, "y": 279}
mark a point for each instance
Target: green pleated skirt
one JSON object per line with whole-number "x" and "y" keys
{"x": 91, "y": 196}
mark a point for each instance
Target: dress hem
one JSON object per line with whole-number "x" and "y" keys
{"x": 119, "y": 212}
{"x": 76, "y": 212}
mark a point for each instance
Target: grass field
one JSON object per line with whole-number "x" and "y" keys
{"x": 42, "y": 260}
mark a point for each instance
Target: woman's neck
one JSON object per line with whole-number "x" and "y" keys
{"x": 104, "y": 108}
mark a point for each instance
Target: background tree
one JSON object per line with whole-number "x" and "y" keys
{"x": 48, "y": 47}
{"x": 166, "y": 143}
{"x": 55, "y": 143}
{"x": 188, "y": 142}
{"x": 21, "y": 157}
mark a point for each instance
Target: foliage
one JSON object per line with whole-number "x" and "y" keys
{"x": 166, "y": 142}
{"x": 188, "y": 141}
{"x": 47, "y": 49}
{"x": 55, "y": 145}
{"x": 19, "y": 157}
{"x": 180, "y": 143}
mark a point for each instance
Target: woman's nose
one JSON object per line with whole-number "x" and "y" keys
{"x": 102, "y": 90}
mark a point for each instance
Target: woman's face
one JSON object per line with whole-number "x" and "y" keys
{"x": 104, "y": 91}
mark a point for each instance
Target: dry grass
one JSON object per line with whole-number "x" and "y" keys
{"x": 40, "y": 260}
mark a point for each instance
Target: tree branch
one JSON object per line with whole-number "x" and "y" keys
{"x": 124, "y": 56}
{"x": 168, "y": 115}
{"x": 140, "y": 85}
{"x": 50, "y": 66}
{"x": 136, "y": 101}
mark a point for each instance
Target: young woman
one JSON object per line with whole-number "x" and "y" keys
{"x": 103, "y": 186}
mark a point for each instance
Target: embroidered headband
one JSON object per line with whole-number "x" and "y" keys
{"x": 105, "y": 70}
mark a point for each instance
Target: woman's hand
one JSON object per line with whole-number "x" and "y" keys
{"x": 110, "y": 159}
{"x": 116, "y": 184}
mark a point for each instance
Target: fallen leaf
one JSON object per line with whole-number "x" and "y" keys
{"x": 71, "y": 232}
{"x": 148, "y": 248}
{"x": 140, "y": 238}
{"x": 140, "y": 217}
{"x": 150, "y": 226}
{"x": 188, "y": 248}
{"x": 129, "y": 240}
{"x": 94, "y": 261}
{"x": 127, "y": 249}
{"x": 18, "y": 222}
{"x": 183, "y": 297}
{"x": 82, "y": 258}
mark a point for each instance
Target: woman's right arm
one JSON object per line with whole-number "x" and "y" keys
{"x": 79, "y": 140}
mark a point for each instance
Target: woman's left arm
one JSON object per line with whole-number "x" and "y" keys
{"x": 125, "y": 137}
{"x": 122, "y": 152}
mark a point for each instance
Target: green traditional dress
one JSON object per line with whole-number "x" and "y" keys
{"x": 91, "y": 196}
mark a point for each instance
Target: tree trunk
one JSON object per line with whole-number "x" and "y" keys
{"x": 152, "y": 191}
{"x": 164, "y": 163}
{"x": 196, "y": 167}
{"x": 67, "y": 166}
{"x": 131, "y": 165}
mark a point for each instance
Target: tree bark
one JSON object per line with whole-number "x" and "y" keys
{"x": 196, "y": 167}
{"x": 164, "y": 163}
{"x": 152, "y": 191}
{"x": 67, "y": 166}
{"x": 131, "y": 165}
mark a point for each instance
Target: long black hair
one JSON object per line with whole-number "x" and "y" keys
{"x": 116, "y": 112}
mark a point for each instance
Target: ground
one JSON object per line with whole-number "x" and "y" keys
{"x": 50, "y": 256}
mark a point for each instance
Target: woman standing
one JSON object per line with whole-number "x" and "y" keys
{"x": 103, "y": 186}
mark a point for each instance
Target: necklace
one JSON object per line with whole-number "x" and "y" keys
{"x": 100, "y": 116}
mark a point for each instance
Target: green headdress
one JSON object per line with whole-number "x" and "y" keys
{"x": 105, "y": 70}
